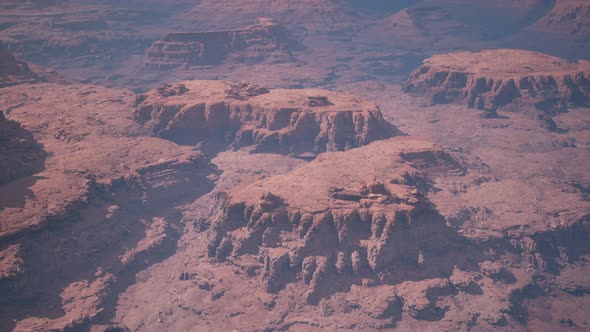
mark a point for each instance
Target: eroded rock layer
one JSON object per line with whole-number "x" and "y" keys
{"x": 568, "y": 18}
{"x": 354, "y": 217}
{"x": 100, "y": 208}
{"x": 265, "y": 41}
{"x": 489, "y": 80}
{"x": 14, "y": 71}
{"x": 243, "y": 114}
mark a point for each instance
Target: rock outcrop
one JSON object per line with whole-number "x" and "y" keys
{"x": 345, "y": 217}
{"x": 81, "y": 301}
{"x": 10, "y": 263}
{"x": 20, "y": 154}
{"x": 489, "y": 80}
{"x": 243, "y": 114}
{"x": 267, "y": 41}
{"x": 568, "y": 18}
{"x": 100, "y": 208}
{"x": 14, "y": 71}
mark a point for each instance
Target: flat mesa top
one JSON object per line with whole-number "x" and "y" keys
{"x": 505, "y": 63}
{"x": 308, "y": 188}
{"x": 317, "y": 100}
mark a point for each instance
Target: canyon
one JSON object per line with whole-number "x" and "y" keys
{"x": 294, "y": 165}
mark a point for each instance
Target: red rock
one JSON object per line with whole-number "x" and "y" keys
{"x": 10, "y": 262}
{"x": 489, "y": 80}
{"x": 13, "y": 71}
{"x": 306, "y": 229}
{"x": 20, "y": 154}
{"x": 267, "y": 41}
{"x": 281, "y": 120}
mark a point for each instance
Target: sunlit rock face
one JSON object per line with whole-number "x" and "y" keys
{"x": 280, "y": 120}
{"x": 489, "y": 80}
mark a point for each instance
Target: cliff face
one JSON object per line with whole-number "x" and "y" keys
{"x": 489, "y": 80}
{"x": 568, "y": 19}
{"x": 13, "y": 71}
{"x": 20, "y": 155}
{"x": 100, "y": 206}
{"x": 267, "y": 41}
{"x": 359, "y": 225}
{"x": 345, "y": 217}
{"x": 287, "y": 121}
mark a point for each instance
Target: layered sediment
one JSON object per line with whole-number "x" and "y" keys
{"x": 244, "y": 114}
{"x": 267, "y": 41}
{"x": 345, "y": 217}
{"x": 99, "y": 207}
{"x": 493, "y": 79}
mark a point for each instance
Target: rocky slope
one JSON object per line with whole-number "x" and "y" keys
{"x": 394, "y": 233}
{"x": 490, "y": 80}
{"x": 13, "y": 71}
{"x": 112, "y": 219}
{"x": 265, "y": 41}
{"x": 20, "y": 155}
{"x": 100, "y": 208}
{"x": 568, "y": 18}
{"x": 106, "y": 42}
{"x": 243, "y": 114}
{"x": 339, "y": 219}
{"x": 565, "y": 31}
{"x": 352, "y": 237}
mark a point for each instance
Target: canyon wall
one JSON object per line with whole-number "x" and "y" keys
{"x": 243, "y": 114}
{"x": 267, "y": 41}
{"x": 490, "y": 80}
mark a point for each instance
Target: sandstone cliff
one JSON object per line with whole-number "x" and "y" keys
{"x": 267, "y": 41}
{"x": 345, "y": 217}
{"x": 243, "y": 114}
{"x": 358, "y": 228}
{"x": 100, "y": 206}
{"x": 489, "y": 80}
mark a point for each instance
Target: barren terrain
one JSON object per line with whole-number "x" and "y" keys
{"x": 294, "y": 165}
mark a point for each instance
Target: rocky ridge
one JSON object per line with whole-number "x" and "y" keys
{"x": 338, "y": 220}
{"x": 244, "y": 114}
{"x": 360, "y": 225}
{"x": 14, "y": 71}
{"x": 267, "y": 41}
{"x": 493, "y": 79}
{"x": 105, "y": 187}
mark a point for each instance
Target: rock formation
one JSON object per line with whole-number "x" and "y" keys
{"x": 563, "y": 31}
{"x": 489, "y": 80}
{"x": 99, "y": 208}
{"x": 568, "y": 19}
{"x": 244, "y": 114}
{"x": 345, "y": 217}
{"x": 13, "y": 71}
{"x": 81, "y": 301}
{"x": 267, "y": 41}
{"x": 10, "y": 263}
{"x": 20, "y": 155}
{"x": 114, "y": 218}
